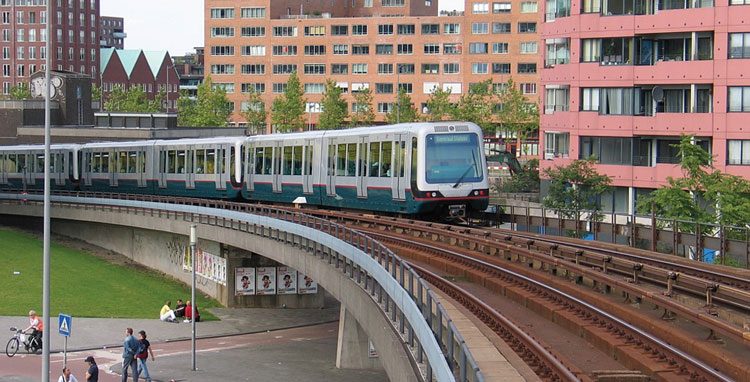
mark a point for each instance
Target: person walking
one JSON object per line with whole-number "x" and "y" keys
{"x": 129, "y": 350}
{"x": 92, "y": 374}
{"x": 67, "y": 376}
{"x": 143, "y": 355}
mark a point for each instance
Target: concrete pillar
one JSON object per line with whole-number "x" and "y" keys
{"x": 631, "y": 200}
{"x": 353, "y": 348}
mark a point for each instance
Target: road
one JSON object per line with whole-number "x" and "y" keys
{"x": 299, "y": 354}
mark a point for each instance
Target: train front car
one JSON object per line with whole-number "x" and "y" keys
{"x": 451, "y": 179}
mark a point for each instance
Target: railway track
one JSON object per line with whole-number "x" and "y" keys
{"x": 581, "y": 284}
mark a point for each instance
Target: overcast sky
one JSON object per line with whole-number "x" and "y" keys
{"x": 174, "y": 25}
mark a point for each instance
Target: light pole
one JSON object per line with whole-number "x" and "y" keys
{"x": 46, "y": 244}
{"x": 309, "y": 118}
{"x": 192, "y": 295}
{"x": 169, "y": 66}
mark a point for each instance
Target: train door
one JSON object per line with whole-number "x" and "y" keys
{"x": 278, "y": 157}
{"x": 140, "y": 162}
{"x": 331, "y": 168}
{"x": 399, "y": 182}
{"x": 3, "y": 163}
{"x": 222, "y": 169}
{"x": 307, "y": 166}
{"x": 189, "y": 168}
{"x": 362, "y": 152}
{"x": 162, "y": 167}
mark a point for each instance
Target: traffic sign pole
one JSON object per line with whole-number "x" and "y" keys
{"x": 64, "y": 324}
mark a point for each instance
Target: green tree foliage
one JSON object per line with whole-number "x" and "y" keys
{"x": 703, "y": 195}
{"x": 439, "y": 106}
{"x": 210, "y": 108}
{"x": 476, "y": 106}
{"x": 335, "y": 109}
{"x": 133, "y": 100}
{"x": 517, "y": 114}
{"x": 363, "y": 114}
{"x": 255, "y": 113}
{"x": 19, "y": 92}
{"x": 96, "y": 93}
{"x": 575, "y": 189}
{"x": 288, "y": 109}
{"x": 403, "y": 111}
{"x": 527, "y": 180}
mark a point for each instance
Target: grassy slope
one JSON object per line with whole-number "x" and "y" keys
{"x": 82, "y": 285}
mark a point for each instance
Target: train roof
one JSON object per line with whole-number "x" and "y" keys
{"x": 166, "y": 142}
{"x": 62, "y": 146}
{"x": 377, "y": 129}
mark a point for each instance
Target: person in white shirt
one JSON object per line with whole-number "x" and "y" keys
{"x": 67, "y": 376}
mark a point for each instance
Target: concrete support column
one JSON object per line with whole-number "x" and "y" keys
{"x": 353, "y": 348}
{"x": 631, "y": 200}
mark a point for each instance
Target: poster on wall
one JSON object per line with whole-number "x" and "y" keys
{"x": 266, "y": 281}
{"x": 244, "y": 281}
{"x": 287, "y": 280}
{"x": 207, "y": 265}
{"x": 306, "y": 285}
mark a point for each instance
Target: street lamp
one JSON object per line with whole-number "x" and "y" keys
{"x": 169, "y": 66}
{"x": 193, "y": 240}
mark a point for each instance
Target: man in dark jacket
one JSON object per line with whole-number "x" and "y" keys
{"x": 129, "y": 350}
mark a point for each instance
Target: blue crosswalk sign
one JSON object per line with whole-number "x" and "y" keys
{"x": 63, "y": 324}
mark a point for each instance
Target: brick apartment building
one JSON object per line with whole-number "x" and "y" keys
{"x": 377, "y": 44}
{"x": 190, "y": 69}
{"x": 74, "y": 41}
{"x": 624, "y": 79}
{"x": 152, "y": 71}
{"x": 112, "y": 32}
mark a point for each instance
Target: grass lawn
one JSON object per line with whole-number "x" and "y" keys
{"x": 82, "y": 284}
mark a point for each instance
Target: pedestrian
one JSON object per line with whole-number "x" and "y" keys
{"x": 143, "y": 356}
{"x": 67, "y": 376}
{"x": 92, "y": 374}
{"x": 189, "y": 313}
{"x": 129, "y": 350}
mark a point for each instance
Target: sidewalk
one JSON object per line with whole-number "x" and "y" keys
{"x": 101, "y": 333}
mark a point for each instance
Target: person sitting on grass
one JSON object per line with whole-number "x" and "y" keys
{"x": 189, "y": 313}
{"x": 179, "y": 309}
{"x": 167, "y": 314}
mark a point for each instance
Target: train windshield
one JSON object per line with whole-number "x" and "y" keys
{"x": 453, "y": 158}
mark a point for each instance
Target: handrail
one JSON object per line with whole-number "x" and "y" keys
{"x": 407, "y": 299}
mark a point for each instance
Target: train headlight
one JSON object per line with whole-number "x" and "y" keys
{"x": 476, "y": 193}
{"x": 434, "y": 194}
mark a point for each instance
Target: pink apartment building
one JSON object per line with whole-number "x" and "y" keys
{"x": 623, "y": 79}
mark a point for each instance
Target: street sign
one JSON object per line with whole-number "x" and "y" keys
{"x": 63, "y": 324}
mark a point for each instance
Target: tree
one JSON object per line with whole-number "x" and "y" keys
{"x": 575, "y": 189}
{"x": 254, "y": 112}
{"x": 132, "y": 100}
{"x": 19, "y": 92}
{"x": 288, "y": 109}
{"x": 404, "y": 110}
{"x": 96, "y": 93}
{"x": 439, "y": 105}
{"x": 209, "y": 108}
{"x": 703, "y": 195}
{"x": 335, "y": 109}
{"x": 517, "y": 114}
{"x": 363, "y": 115}
{"x": 526, "y": 180}
{"x": 476, "y": 106}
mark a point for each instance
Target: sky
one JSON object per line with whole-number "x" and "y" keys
{"x": 174, "y": 25}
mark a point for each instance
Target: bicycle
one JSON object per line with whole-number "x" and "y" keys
{"x": 29, "y": 342}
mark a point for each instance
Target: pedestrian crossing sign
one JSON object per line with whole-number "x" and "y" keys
{"x": 64, "y": 322}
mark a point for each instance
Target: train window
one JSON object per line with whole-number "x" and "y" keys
{"x": 331, "y": 159}
{"x": 258, "y": 161}
{"x": 414, "y": 159}
{"x": 181, "y": 162}
{"x": 200, "y": 161}
{"x": 398, "y": 166}
{"x": 374, "y": 160}
{"x": 142, "y": 162}
{"x": 210, "y": 161}
{"x": 362, "y": 160}
{"x": 171, "y": 162}
{"x": 122, "y": 162}
{"x": 308, "y": 160}
{"x": 341, "y": 160}
{"x": 232, "y": 158}
{"x": 287, "y": 162}
{"x": 162, "y": 162}
{"x": 105, "y": 162}
{"x": 297, "y": 160}
{"x": 132, "y": 162}
{"x": 221, "y": 160}
{"x": 351, "y": 159}
{"x": 385, "y": 156}
{"x": 267, "y": 160}
{"x": 39, "y": 163}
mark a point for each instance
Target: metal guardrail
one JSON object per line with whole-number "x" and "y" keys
{"x": 404, "y": 297}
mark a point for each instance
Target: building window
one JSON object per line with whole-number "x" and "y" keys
{"x": 228, "y": 87}
{"x": 561, "y": 8}
{"x": 452, "y": 48}
{"x": 222, "y": 32}
{"x": 451, "y": 68}
{"x": 478, "y": 48}
{"x": 359, "y": 68}
{"x": 315, "y": 69}
{"x": 529, "y": 7}
{"x": 738, "y": 152}
{"x": 526, "y": 27}
{"x": 384, "y": 88}
{"x": 253, "y": 13}
{"x": 316, "y": 88}
{"x": 385, "y": 29}
{"x": 528, "y": 47}
{"x": 393, "y": 3}
{"x": 284, "y": 68}
{"x": 285, "y": 50}
{"x": 385, "y": 107}
{"x": 360, "y": 50}
{"x": 406, "y": 29}
{"x": 278, "y": 87}
{"x": 739, "y": 99}
{"x": 222, "y": 13}
{"x": 285, "y": 31}
{"x": 739, "y": 45}
{"x": 385, "y": 49}
{"x": 339, "y": 30}
{"x": 359, "y": 30}
{"x": 590, "y": 99}
{"x": 431, "y": 48}
{"x": 253, "y": 69}
{"x": 499, "y": 28}
{"x": 254, "y": 50}
{"x": 453, "y": 28}
{"x": 480, "y": 8}
{"x": 318, "y": 30}
{"x": 254, "y": 88}
{"x": 407, "y": 88}
{"x": 430, "y": 68}
{"x": 385, "y": 68}
{"x": 500, "y": 48}
{"x": 340, "y": 49}
{"x": 557, "y": 98}
{"x": 479, "y": 68}
{"x": 556, "y": 145}
{"x": 339, "y": 68}
{"x": 405, "y": 49}
{"x": 430, "y": 28}
{"x": 500, "y": 8}
{"x": 222, "y": 50}
{"x": 406, "y": 68}
{"x": 739, "y": 2}
{"x": 526, "y": 68}
{"x": 501, "y": 68}
{"x": 528, "y": 88}
{"x": 315, "y": 50}
{"x": 557, "y": 52}
{"x": 607, "y": 150}
{"x": 253, "y": 31}
{"x": 479, "y": 28}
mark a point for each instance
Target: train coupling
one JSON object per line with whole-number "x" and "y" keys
{"x": 457, "y": 210}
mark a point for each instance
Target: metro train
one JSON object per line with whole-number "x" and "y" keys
{"x": 436, "y": 169}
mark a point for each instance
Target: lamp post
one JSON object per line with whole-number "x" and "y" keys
{"x": 46, "y": 242}
{"x": 192, "y": 295}
{"x": 309, "y": 118}
{"x": 169, "y": 66}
